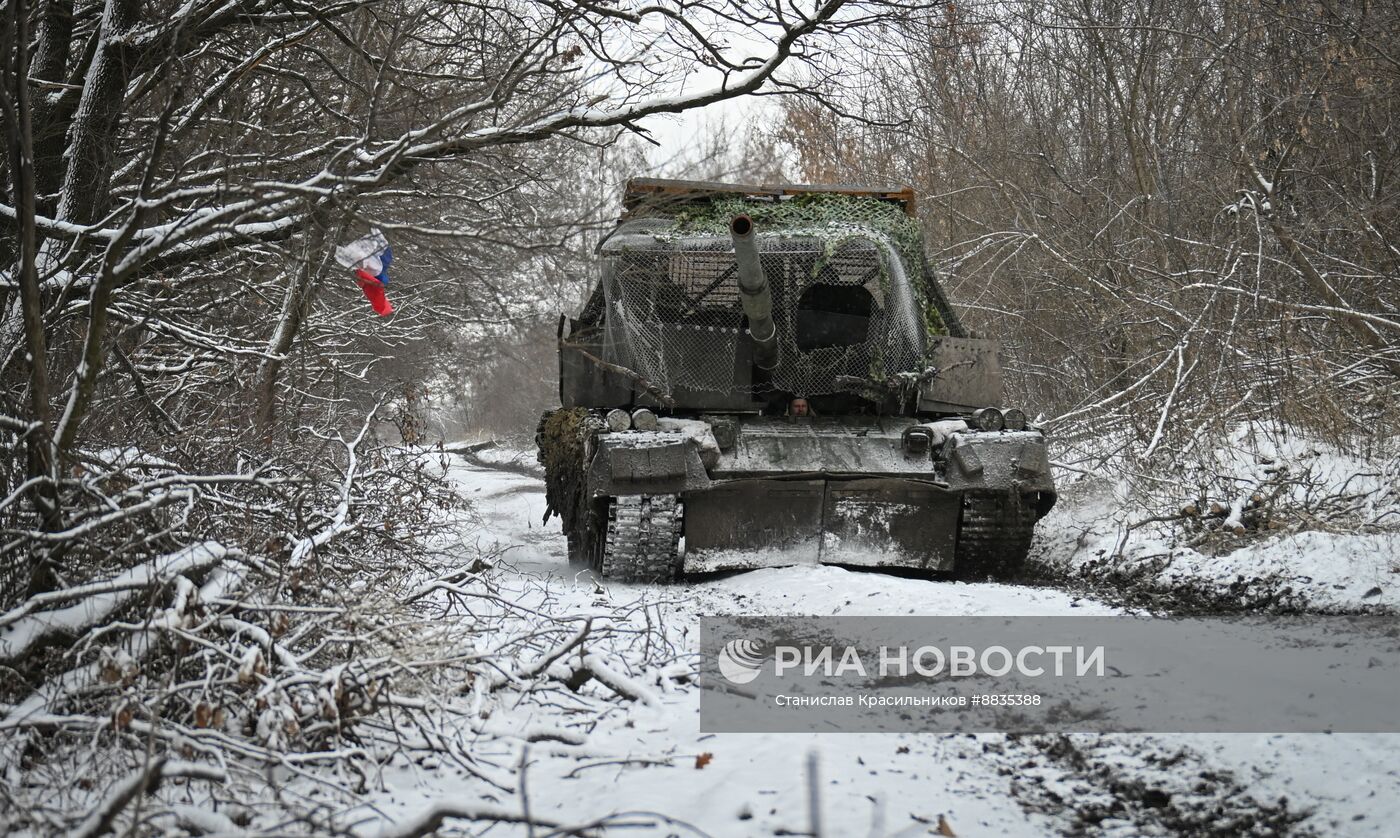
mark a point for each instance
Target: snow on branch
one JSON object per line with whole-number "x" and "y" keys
{"x": 22, "y": 630}
{"x": 340, "y": 522}
{"x": 102, "y": 818}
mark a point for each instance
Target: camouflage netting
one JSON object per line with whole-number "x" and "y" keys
{"x": 561, "y": 438}
{"x": 674, "y": 314}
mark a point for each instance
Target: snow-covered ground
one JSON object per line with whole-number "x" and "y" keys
{"x": 1312, "y": 569}
{"x": 1297, "y": 524}
{"x": 644, "y": 762}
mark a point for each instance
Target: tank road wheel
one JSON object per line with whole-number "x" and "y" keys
{"x": 994, "y": 535}
{"x": 640, "y": 540}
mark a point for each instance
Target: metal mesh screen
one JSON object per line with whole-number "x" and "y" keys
{"x": 842, "y": 304}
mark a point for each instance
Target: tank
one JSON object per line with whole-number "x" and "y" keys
{"x": 771, "y": 375}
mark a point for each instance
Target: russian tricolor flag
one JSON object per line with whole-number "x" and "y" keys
{"x": 369, "y": 257}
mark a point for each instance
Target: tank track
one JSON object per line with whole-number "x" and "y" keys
{"x": 642, "y": 541}
{"x": 994, "y": 535}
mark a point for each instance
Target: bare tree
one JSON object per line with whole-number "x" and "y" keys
{"x": 1174, "y": 214}
{"x": 204, "y": 506}
{"x": 176, "y": 191}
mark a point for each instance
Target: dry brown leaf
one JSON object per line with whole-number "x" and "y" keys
{"x": 702, "y": 760}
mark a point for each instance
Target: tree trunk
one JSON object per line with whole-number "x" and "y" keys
{"x": 296, "y": 305}
{"x": 40, "y": 461}
{"x": 92, "y": 134}
{"x": 53, "y": 44}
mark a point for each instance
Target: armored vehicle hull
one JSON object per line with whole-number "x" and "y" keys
{"x": 797, "y": 392}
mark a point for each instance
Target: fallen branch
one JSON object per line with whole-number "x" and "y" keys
{"x": 540, "y": 664}
{"x": 22, "y": 631}
{"x": 53, "y": 695}
{"x": 619, "y": 683}
{"x": 466, "y": 447}
{"x": 99, "y": 821}
{"x": 431, "y": 819}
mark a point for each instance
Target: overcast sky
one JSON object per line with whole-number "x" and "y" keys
{"x": 680, "y": 133}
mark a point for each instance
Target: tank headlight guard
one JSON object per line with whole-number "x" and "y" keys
{"x": 988, "y": 419}
{"x": 917, "y": 441}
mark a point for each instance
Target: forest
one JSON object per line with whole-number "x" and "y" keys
{"x": 273, "y": 564}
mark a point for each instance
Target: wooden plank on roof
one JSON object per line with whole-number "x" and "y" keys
{"x": 662, "y": 192}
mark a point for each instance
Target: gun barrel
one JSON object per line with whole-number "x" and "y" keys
{"x": 754, "y": 293}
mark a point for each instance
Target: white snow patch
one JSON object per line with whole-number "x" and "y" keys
{"x": 697, "y": 430}
{"x": 1338, "y": 513}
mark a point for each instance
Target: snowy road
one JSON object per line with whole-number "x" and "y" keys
{"x": 641, "y": 758}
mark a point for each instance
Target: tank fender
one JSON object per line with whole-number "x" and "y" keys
{"x": 646, "y": 463}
